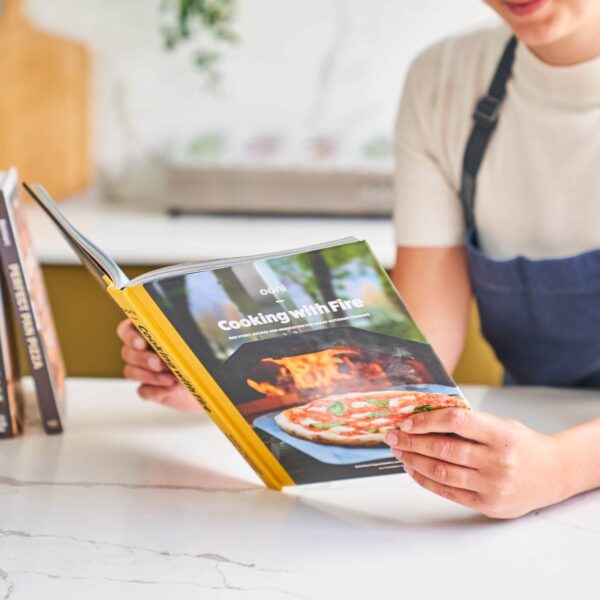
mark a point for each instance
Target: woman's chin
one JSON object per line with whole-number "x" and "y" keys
{"x": 546, "y": 24}
{"x": 538, "y": 34}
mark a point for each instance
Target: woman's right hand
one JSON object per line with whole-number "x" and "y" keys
{"x": 143, "y": 365}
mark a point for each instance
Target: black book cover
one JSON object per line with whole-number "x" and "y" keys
{"x": 11, "y": 407}
{"x": 27, "y": 295}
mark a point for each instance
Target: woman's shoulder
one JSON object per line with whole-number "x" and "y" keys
{"x": 460, "y": 65}
{"x": 440, "y": 92}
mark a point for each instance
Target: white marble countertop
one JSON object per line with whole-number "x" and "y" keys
{"x": 133, "y": 237}
{"x": 136, "y": 501}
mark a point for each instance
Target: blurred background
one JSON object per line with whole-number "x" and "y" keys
{"x": 329, "y": 66}
{"x": 268, "y": 126}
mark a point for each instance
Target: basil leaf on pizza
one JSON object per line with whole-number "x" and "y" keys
{"x": 377, "y": 413}
{"x": 325, "y": 425}
{"x": 337, "y": 408}
{"x": 383, "y": 403}
{"x": 424, "y": 408}
{"x": 348, "y": 419}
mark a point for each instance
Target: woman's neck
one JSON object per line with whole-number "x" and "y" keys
{"x": 579, "y": 46}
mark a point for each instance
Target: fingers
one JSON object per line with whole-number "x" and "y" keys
{"x": 470, "y": 424}
{"x": 441, "y": 472}
{"x": 461, "y": 496}
{"x": 130, "y": 336}
{"x": 143, "y": 359}
{"x": 443, "y": 447}
{"x": 149, "y": 377}
{"x": 145, "y": 366}
{"x": 159, "y": 394}
{"x": 174, "y": 396}
{"x": 141, "y": 363}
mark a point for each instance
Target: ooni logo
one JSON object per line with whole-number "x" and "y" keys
{"x": 272, "y": 291}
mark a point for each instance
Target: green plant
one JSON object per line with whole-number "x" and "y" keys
{"x": 210, "y": 19}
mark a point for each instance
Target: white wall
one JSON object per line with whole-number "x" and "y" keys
{"x": 329, "y": 64}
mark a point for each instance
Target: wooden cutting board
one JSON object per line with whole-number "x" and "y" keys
{"x": 44, "y": 105}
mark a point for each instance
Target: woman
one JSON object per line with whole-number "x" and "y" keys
{"x": 498, "y": 185}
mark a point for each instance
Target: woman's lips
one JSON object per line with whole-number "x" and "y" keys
{"x": 524, "y": 8}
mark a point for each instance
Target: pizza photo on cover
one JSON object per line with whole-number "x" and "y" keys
{"x": 316, "y": 351}
{"x": 359, "y": 418}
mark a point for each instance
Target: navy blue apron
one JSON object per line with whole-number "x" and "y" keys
{"x": 541, "y": 317}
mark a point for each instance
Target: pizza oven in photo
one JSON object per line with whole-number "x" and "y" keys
{"x": 272, "y": 374}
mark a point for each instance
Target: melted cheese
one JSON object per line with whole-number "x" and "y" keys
{"x": 341, "y": 429}
{"x": 359, "y": 404}
{"x": 360, "y": 415}
{"x": 379, "y": 421}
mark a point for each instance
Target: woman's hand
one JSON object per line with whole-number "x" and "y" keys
{"x": 143, "y": 365}
{"x": 502, "y": 469}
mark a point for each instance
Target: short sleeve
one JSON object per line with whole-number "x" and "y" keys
{"x": 427, "y": 211}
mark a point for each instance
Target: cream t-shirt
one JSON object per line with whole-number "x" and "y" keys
{"x": 538, "y": 189}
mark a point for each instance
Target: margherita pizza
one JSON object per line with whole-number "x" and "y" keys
{"x": 361, "y": 418}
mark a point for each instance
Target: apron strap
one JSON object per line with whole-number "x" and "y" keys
{"x": 486, "y": 117}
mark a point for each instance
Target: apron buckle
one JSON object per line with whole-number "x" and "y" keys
{"x": 487, "y": 111}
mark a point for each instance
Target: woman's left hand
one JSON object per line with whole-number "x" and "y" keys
{"x": 502, "y": 469}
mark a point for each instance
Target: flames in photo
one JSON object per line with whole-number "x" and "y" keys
{"x": 291, "y": 380}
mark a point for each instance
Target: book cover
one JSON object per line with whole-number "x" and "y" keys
{"x": 315, "y": 350}
{"x": 28, "y": 298}
{"x": 11, "y": 402}
{"x": 304, "y": 358}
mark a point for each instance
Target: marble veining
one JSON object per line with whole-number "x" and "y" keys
{"x": 12, "y": 482}
{"x": 209, "y": 569}
{"x": 135, "y": 501}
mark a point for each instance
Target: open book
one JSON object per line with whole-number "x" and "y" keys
{"x": 304, "y": 358}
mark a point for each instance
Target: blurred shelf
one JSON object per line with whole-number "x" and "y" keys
{"x": 133, "y": 236}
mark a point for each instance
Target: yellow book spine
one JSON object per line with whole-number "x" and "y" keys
{"x": 141, "y": 309}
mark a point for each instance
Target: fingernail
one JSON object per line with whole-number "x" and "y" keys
{"x": 408, "y": 470}
{"x": 398, "y": 453}
{"x": 391, "y": 439}
{"x": 406, "y": 425}
{"x": 154, "y": 363}
{"x": 139, "y": 343}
